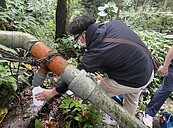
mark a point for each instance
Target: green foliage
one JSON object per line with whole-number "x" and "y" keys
{"x": 92, "y": 5}
{"x": 74, "y": 8}
{"x": 130, "y": 6}
{"x": 8, "y": 49}
{"x": 8, "y": 86}
{"x": 149, "y": 27}
{"x": 35, "y": 17}
{"x": 10, "y": 78}
{"x": 10, "y": 82}
{"x": 107, "y": 12}
{"x": 31, "y": 16}
{"x": 159, "y": 46}
{"x": 6, "y": 78}
{"x": 4, "y": 16}
{"x": 80, "y": 115}
{"x": 156, "y": 42}
{"x": 68, "y": 48}
{"x": 151, "y": 21}
{"x": 37, "y": 123}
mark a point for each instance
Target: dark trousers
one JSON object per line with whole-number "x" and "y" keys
{"x": 161, "y": 94}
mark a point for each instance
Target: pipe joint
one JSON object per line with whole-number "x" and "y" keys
{"x": 39, "y": 78}
{"x": 80, "y": 83}
{"x": 56, "y": 63}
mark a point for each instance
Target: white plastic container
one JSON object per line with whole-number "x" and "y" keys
{"x": 35, "y": 91}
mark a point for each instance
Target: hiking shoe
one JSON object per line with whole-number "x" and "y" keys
{"x": 140, "y": 115}
{"x": 148, "y": 120}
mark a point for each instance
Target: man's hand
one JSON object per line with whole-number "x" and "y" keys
{"x": 163, "y": 70}
{"x": 46, "y": 94}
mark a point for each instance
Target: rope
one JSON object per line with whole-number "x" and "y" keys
{"x": 10, "y": 57}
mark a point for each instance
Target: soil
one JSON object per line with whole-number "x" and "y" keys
{"x": 23, "y": 114}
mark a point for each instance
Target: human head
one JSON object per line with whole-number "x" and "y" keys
{"x": 79, "y": 25}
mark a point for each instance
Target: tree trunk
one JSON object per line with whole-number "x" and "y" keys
{"x": 61, "y": 16}
{"x": 165, "y": 5}
{"x": 119, "y": 8}
{"x": 3, "y": 4}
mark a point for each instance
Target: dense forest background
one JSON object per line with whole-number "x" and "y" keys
{"x": 48, "y": 20}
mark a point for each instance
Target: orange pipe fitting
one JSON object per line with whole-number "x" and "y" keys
{"x": 57, "y": 63}
{"x": 40, "y": 50}
{"x": 42, "y": 70}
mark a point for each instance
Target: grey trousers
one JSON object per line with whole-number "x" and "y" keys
{"x": 131, "y": 95}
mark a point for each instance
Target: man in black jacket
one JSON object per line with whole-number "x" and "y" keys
{"x": 129, "y": 68}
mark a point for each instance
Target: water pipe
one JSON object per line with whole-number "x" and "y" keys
{"x": 80, "y": 82}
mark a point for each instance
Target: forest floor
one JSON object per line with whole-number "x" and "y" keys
{"x": 23, "y": 115}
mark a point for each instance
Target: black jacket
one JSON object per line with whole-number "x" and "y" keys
{"x": 124, "y": 63}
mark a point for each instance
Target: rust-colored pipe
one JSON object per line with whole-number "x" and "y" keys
{"x": 57, "y": 63}
{"x": 14, "y": 39}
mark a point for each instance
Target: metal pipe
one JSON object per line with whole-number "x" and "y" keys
{"x": 15, "y": 39}
{"x": 84, "y": 86}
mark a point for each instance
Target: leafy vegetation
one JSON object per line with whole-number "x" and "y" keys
{"x": 37, "y": 17}
{"x": 30, "y": 17}
{"x": 9, "y": 78}
{"x": 8, "y": 86}
{"x": 158, "y": 46}
{"x": 81, "y": 115}
{"x": 69, "y": 48}
{"x": 151, "y": 21}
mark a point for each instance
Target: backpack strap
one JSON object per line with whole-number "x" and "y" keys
{"x": 124, "y": 41}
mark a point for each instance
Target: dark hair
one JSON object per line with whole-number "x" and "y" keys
{"x": 81, "y": 23}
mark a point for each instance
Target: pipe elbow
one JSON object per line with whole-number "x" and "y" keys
{"x": 55, "y": 63}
